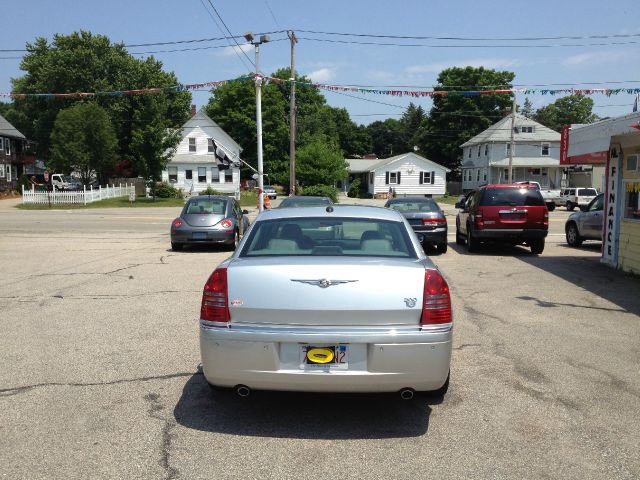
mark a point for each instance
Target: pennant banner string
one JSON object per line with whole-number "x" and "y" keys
{"x": 335, "y": 88}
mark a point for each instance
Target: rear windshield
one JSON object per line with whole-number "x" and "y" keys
{"x": 587, "y": 192}
{"x": 311, "y": 202}
{"x": 216, "y": 207}
{"x": 335, "y": 237}
{"x": 414, "y": 206}
{"x": 511, "y": 196}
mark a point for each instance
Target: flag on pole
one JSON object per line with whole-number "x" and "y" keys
{"x": 635, "y": 104}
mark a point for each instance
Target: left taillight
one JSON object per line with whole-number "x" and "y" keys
{"x": 215, "y": 298}
{"x": 434, "y": 221}
{"x": 226, "y": 223}
{"x": 436, "y": 306}
{"x": 177, "y": 223}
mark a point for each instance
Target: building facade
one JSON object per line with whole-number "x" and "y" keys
{"x": 196, "y": 164}
{"x": 616, "y": 143}
{"x": 536, "y": 155}
{"x": 406, "y": 174}
{"x": 14, "y": 155}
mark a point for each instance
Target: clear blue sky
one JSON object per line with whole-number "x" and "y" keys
{"x": 150, "y": 21}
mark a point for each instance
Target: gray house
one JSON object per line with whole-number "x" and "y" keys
{"x": 13, "y": 156}
{"x": 406, "y": 174}
{"x": 536, "y": 157}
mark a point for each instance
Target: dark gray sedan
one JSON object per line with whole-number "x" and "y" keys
{"x": 425, "y": 217}
{"x": 209, "y": 219}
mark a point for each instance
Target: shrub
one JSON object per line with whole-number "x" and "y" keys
{"x": 165, "y": 190}
{"x": 210, "y": 191}
{"x": 354, "y": 189}
{"x": 321, "y": 191}
{"x": 22, "y": 181}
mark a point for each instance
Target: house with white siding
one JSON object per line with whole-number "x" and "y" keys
{"x": 194, "y": 167}
{"x": 406, "y": 174}
{"x": 536, "y": 155}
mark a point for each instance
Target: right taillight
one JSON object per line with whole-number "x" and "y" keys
{"x": 215, "y": 299}
{"x": 436, "y": 306}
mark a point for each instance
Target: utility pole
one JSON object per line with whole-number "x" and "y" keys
{"x": 292, "y": 117}
{"x": 512, "y": 144}
{"x": 263, "y": 39}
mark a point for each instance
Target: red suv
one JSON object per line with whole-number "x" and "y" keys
{"x": 514, "y": 214}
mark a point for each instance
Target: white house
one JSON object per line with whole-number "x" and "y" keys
{"x": 406, "y": 174}
{"x": 194, "y": 167}
{"x": 536, "y": 156}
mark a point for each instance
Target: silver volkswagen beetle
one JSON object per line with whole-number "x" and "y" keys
{"x": 327, "y": 299}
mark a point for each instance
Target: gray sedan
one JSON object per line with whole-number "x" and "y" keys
{"x": 586, "y": 224}
{"x": 425, "y": 217}
{"x": 327, "y": 299}
{"x": 209, "y": 219}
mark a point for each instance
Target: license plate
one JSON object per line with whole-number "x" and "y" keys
{"x": 333, "y": 357}
{"x": 199, "y": 235}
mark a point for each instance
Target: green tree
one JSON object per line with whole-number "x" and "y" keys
{"x": 83, "y": 62}
{"x": 455, "y": 118}
{"x": 320, "y": 161}
{"x": 565, "y": 111}
{"x": 412, "y": 121}
{"x": 387, "y": 137}
{"x": 83, "y": 140}
{"x": 527, "y": 108}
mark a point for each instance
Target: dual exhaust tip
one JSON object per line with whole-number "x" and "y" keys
{"x": 244, "y": 391}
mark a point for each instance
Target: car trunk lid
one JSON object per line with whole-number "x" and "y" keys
{"x": 202, "y": 219}
{"x": 326, "y": 291}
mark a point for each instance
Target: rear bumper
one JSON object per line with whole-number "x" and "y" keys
{"x": 211, "y": 237}
{"x": 379, "y": 359}
{"x": 432, "y": 236}
{"x": 510, "y": 234}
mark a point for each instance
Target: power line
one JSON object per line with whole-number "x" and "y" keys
{"x": 427, "y": 45}
{"x": 230, "y": 34}
{"x": 272, "y": 15}
{"x": 475, "y": 39}
{"x": 193, "y": 48}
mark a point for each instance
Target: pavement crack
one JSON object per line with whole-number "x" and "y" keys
{"x": 466, "y": 345}
{"x": 614, "y": 381}
{"x": 155, "y": 412}
{"x": 8, "y": 392}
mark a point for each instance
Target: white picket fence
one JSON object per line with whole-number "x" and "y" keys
{"x": 80, "y": 197}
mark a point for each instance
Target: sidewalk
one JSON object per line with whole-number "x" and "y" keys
{"x": 10, "y": 202}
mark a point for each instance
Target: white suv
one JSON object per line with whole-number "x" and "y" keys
{"x": 577, "y": 197}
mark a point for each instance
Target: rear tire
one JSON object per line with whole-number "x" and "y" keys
{"x": 236, "y": 241}
{"x": 570, "y": 206}
{"x": 442, "y": 247}
{"x": 176, "y": 247}
{"x": 472, "y": 243}
{"x": 537, "y": 246}
{"x": 551, "y": 207}
{"x": 573, "y": 236}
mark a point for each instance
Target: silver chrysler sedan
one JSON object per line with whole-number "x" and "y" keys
{"x": 327, "y": 299}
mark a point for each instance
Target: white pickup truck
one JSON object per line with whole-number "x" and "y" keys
{"x": 551, "y": 197}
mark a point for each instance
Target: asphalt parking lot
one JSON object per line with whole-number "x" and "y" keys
{"x": 99, "y": 348}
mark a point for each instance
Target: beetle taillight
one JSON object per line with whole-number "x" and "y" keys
{"x": 436, "y": 306}
{"x": 215, "y": 298}
{"x": 226, "y": 223}
{"x": 177, "y": 223}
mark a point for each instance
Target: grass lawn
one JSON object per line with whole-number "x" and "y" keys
{"x": 119, "y": 202}
{"x": 248, "y": 198}
{"x": 448, "y": 199}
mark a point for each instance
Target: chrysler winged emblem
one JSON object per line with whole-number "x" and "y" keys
{"x": 322, "y": 283}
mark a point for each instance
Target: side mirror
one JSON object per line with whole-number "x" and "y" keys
{"x": 583, "y": 208}
{"x": 245, "y": 212}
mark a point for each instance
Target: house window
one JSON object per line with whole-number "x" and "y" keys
{"x": 484, "y": 174}
{"x": 486, "y": 150}
{"x": 478, "y": 175}
{"x": 425, "y": 177}
{"x": 1, "y": 144}
{"x": 372, "y": 177}
{"x": 228, "y": 176}
{"x": 508, "y": 148}
{"x": 192, "y": 144}
{"x": 632, "y": 163}
{"x": 516, "y": 129}
{"x": 188, "y": 174}
{"x": 535, "y": 171}
{"x": 1, "y": 170}
{"x": 7, "y": 147}
{"x": 469, "y": 155}
{"x": 479, "y": 148}
{"x": 173, "y": 174}
{"x": 9, "y": 173}
{"x": 545, "y": 149}
{"x": 527, "y": 129}
{"x": 215, "y": 175}
{"x": 210, "y": 146}
{"x": 393, "y": 178}
{"x": 202, "y": 174}
{"x": 631, "y": 199}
